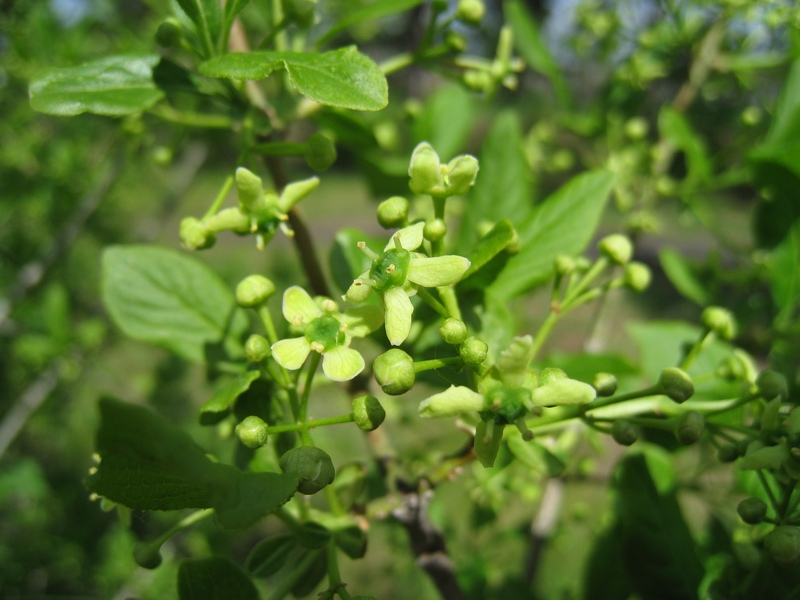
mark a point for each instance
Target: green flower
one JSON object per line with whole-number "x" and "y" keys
{"x": 397, "y": 273}
{"x": 325, "y": 330}
{"x": 429, "y": 176}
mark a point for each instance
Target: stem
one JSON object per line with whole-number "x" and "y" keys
{"x": 396, "y": 63}
{"x": 433, "y": 302}
{"x": 705, "y": 337}
{"x": 223, "y": 192}
{"x": 595, "y": 270}
{"x": 187, "y": 521}
{"x": 312, "y": 370}
{"x": 544, "y": 331}
{"x": 305, "y": 425}
{"x": 269, "y": 324}
{"x": 437, "y": 363}
{"x": 600, "y": 402}
{"x": 334, "y": 576}
{"x": 191, "y": 119}
{"x": 283, "y": 588}
{"x": 281, "y": 149}
{"x": 768, "y": 489}
{"x": 448, "y": 296}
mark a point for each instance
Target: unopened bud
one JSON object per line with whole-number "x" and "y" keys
{"x": 563, "y": 392}
{"x": 752, "y": 510}
{"x": 473, "y": 351}
{"x": 605, "y": 384}
{"x": 771, "y": 384}
{"x": 320, "y": 152}
{"x": 252, "y": 432}
{"x": 470, "y": 11}
{"x": 312, "y": 464}
{"x": 564, "y": 265}
{"x": 624, "y": 432}
{"x": 393, "y": 212}
{"x": 689, "y": 427}
{"x": 720, "y": 321}
{"x": 617, "y": 248}
{"x": 637, "y": 276}
{"x": 195, "y": 236}
{"x": 394, "y": 372}
{"x": 727, "y": 453}
{"x": 250, "y": 189}
{"x": 434, "y": 230}
{"x": 253, "y": 291}
{"x": 147, "y": 555}
{"x": 453, "y": 331}
{"x": 257, "y": 348}
{"x": 301, "y": 12}
{"x": 461, "y": 174}
{"x": 169, "y": 33}
{"x": 455, "y": 41}
{"x": 783, "y": 544}
{"x": 636, "y": 128}
{"x": 368, "y": 413}
{"x": 676, "y": 384}
{"x": 425, "y": 171}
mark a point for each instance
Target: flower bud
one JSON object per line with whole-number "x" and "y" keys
{"x": 617, "y": 248}
{"x": 771, "y": 384}
{"x": 676, "y": 384}
{"x": 470, "y": 11}
{"x": 453, "y": 331}
{"x": 461, "y": 174}
{"x": 368, "y": 413}
{"x": 320, "y": 152}
{"x": 783, "y": 544}
{"x": 727, "y": 453}
{"x": 551, "y": 375}
{"x": 147, "y": 555}
{"x": 752, "y": 510}
{"x": 250, "y": 189}
{"x": 562, "y": 392}
{"x": 301, "y": 12}
{"x": 451, "y": 402}
{"x": 605, "y": 384}
{"x": 169, "y": 33}
{"x": 514, "y": 245}
{"x": 312, "y": 464}
{"x": 473, "y": 351}
{"x": 425, "y": 171}
{"x": 455, "y": 41}
{"x": 296, "y": 191}
{"x": 637, "y": 276}
{"x": 257, "y": 348}
{"x": 253, "y": 291}
{"x": 252, "y": 432}
{"x": 394, "y": 372}
{"x": 624, "y": 432}
{"x": 689, "y": 427}
{"x": 478, "y": 80}
{"x": 720, "y": 321}
{"x": 434, "y": 230}
{"x": 564, "y": 265}
{"x": 195, "y": 236}
{"x": 636, "y": 128}
{"x": 393, "y": 212}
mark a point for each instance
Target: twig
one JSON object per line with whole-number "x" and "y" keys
{"x": 30, "y": 400}
{"x": 543, "y": 525}
{"x": 428, "y": 544}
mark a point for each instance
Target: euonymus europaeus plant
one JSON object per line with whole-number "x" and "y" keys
{"x": 435, "y": 311}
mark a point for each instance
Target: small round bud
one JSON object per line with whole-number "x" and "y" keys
{"x": 312, "y": 464}
{"x": 720, "y": 321}
{"x": 478, "y": 80}
{"x": 169, "y": 33}
{"x": 162, "y": 156}
{"x": 676, "y": 384}
{"x": 470, "y": 11}
{"x": 564, "y": 265}
{"x": 253, "y": 291}
{"x": 751, "y": 115}
{"x": 771, "y": 384}
{"x": 605, "y": 384}
{"x": 257, "y": 348}
{"x": 453, "y": 331}
{"x": 424, "y": 171}
{"x": 473, "y": 351}
{"x": 727, "y": 453}
{"x": 461, "y": 174}
{"x": 637, "y": 276}
{"x": 689, "y": 427}
{"x": 147, "y": 555}
{"x": 636, "y": 128}
{"x": 624, "y": 432}
{"x": 752, "y": 510}
{"x": 368, "y": 413}
{"x": 301, "y": 12}
{"x": 617, "y": 248}
{"x": 783, "y": 544}
{"x": 320, "y": 152}
{"x": 252, "y": 432}
{"x": 434, "y": 230}
{"x": 551, "y": 375}
{"x": 393, "y": 212}
{"x": 394, "y": 372}
{"x": 195, "y": 236}
{"x": 455, "y": 41}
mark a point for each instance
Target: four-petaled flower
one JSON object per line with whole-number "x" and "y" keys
{"x": 398, "y": 272}
{"x": 325, "y": 330}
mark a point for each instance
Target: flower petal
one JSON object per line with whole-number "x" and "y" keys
{"x": 297, "y": 302}
{"x": 451, "y": 402}
{"x": 563, "y": 392}
{"x": 362, "y": 320}
{"x": 398, "y": 315}
{"x": 513, "y": 361}
{"x": 291, "y": 353}
{"x": 342, "y": 363}
{"x": 410, "y": 237}
{"x": 358, "y": 292}
{"x": 437, "y": 270}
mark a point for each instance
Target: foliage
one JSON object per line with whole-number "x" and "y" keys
{"x": 633, "y": 175}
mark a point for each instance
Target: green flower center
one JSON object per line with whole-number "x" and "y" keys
{"x": 326, "y": 332}
{"x": 506, "y": 404}
{"x": 390, "y": 269}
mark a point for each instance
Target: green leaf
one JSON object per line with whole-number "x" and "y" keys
{"x": 785, "y": 277}
{"x": 169, "y": 299}
{"x": 368, "y": 12}
{"x": 218, "y": 407}
{"x": 675, "y": 127}
{"x": 149, "y": 464}
{"x": 346, "y": 260}
{"x": 230, "y": 11}
{"x": 680, "y": 274}
{"x": 343, "y": 78}
{"x": 270, "y": 554}
{"x": 445, "y": 121}
{"x": 785, "y": 126}
{"x": 563, "y": 224}
{"x": 532, "y": 48}
{"x": 207, "y": 18}
{"x": 535, "y": 456}
{"x": 214, "y": 578}
{"x": 604, "y": 575}
{"x": 503, "y": 188}
{"x": 489, "y": 246}
{"x": 658, "y": 550}
{"x": 114, "y": 86}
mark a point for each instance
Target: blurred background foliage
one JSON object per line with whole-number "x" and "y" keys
{"x": 676, "y": 98}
